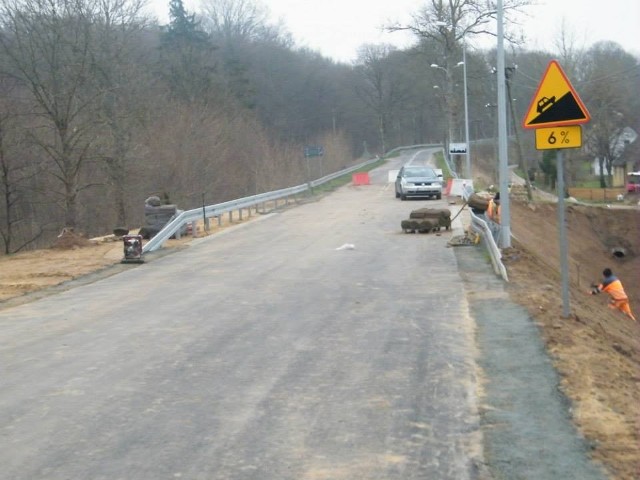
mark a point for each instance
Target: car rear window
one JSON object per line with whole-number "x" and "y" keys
{"x": 419, "y": 172}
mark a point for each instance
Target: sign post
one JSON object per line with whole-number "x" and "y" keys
{"x": 313, "y": 151}
{"x": 556, "y": 113}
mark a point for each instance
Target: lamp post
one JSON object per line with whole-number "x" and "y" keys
{"x": 448, "y": 95}
{"x": 505, "y": 215}
{"x": 466, "y": 109}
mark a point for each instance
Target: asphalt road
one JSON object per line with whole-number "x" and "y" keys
{"x": 263, "y": 352}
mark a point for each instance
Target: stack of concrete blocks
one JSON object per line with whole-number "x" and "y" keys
{"x": 426, "y": 220}
{"x": 156, "y": 216}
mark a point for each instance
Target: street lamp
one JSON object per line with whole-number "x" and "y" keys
{"x": 447, "y": 105}
{"x": 466, "y": 111}
{"x": 451, "y": 38}
{"x": 466, "y": 108}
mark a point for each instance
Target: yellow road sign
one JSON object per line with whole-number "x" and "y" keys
{"x": 555, "y": 103}
{"x": 569, "y": 136}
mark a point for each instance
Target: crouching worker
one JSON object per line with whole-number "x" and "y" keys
{"x": 618, "y": 298}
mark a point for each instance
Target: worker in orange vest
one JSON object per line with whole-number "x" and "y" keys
{"x": 618, "y": 298}
{"x": 493, "y": 209}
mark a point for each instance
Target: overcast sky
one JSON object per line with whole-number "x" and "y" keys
{"x": 337, "y": 28}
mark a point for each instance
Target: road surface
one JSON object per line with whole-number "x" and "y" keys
{"x": 320, "y": 342}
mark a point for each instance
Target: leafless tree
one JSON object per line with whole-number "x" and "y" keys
{"x": 442, "y": 26}
{"x": 235, "y": 20}
{"x": 116, "y": 58}
{"x": 570, "y": 52}
{"x": 46, "y": 44}
{"x": 379, "y": 89}
{"x": 16, "y": 173}
{"x": 447, "y": 22}
{"x": 610, "y": 89}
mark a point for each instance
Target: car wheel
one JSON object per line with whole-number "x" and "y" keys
{"x": 403, "y": 197}
{"x": 439, "y": 196}
{"x": 397, "y": 194}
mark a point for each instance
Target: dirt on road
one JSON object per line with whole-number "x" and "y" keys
{"x": 595, "y": 350}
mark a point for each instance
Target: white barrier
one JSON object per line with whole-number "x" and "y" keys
{"x": 456, "y": 186}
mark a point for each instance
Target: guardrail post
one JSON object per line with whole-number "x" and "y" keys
{"x": 194, "y": 229}
{"x": 240, "y": 214}
{"x": 230, "y": 216}
{"x": 219, "y": 218}
{"x": 207, "y": 224}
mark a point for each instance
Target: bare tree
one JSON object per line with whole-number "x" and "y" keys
{"x": 380, "y": 90}
{"x": 570, "y": 53}
{"x": 46, "y": 44}
{"x": 610, "y": 91}
{"x": 16, "y": 172}
{"x": 445, "y": 24}
{"x": 118, "y": 28}
{"x": 236, "y": 28}
{"x": 234, "y": 20}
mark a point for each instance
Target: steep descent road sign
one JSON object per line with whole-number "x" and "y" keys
{"x": 555, "y": 103}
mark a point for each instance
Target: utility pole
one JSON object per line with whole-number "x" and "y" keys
{"x": 503, "y": 156}
{"x": 466, "y": 112}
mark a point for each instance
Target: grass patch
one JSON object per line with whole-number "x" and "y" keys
{"x": 443, "y": 165}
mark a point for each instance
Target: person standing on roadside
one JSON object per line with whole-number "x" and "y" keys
{"x": 493, "y": 214}
{"x": 493, "y": 209}
{"x": 618, "y": 297}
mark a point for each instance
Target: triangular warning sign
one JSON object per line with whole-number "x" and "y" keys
{"x": 555, "y": 103}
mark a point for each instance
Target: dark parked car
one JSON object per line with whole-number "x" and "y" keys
{"x": 415, "y": 181}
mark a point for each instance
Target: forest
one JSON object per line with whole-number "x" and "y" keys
{"x": 101, "y": 106}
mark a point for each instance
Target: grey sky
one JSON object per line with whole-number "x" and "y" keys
{"x": 338, "y": 27}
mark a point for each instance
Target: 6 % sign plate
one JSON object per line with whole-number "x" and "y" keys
{"x": 559, "y": 137}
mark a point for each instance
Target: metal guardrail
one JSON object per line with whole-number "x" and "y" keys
{"x": 481, "y": 227}
{"x": 212, "y": 211}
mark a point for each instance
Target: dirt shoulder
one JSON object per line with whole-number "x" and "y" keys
{"x": 73, "y": 258}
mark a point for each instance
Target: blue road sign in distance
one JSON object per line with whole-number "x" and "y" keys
{"x": 313, "y": 151}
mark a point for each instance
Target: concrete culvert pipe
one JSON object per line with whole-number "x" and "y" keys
{"x": 618, "y": 252}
